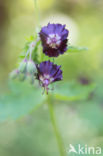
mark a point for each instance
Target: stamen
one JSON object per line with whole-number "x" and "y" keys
{"x": 54, "y": 40}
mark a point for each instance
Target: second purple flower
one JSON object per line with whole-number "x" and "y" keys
{"x": 48, "y": 73}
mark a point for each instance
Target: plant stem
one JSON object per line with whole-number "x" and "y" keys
{"x": 37, "y": 14}
{"x": 56, "y": 131}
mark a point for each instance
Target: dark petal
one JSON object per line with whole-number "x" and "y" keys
{"x": 45, "y": 67}
{"x": 51, "y": 52}
{"x": 63, "y": 46}
{"x": 54, "y": 70}
{"x": 57, "y": 79}
{"x": 45, "y": 31}
{"x": 58, "y": 75}
{"x": 64, "y": 34}
{"x": 43, "y": 37}
{"x": 59, "y": 28}
{"x": 51, "y": 28}
{"x": 41, "y": 67}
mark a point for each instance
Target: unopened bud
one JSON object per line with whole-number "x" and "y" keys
{"x": 30, "y": 78}
{"x": 31, "y": 68}
{"x": 14, "y": 74}
{"x": 21, "y": 77}
{"x": 22, "y": 67}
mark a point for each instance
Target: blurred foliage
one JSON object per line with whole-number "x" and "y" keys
{"x": 23, "y": 98}
{"x": 72, "y": 91}
{"x": 20, "y": 100}
{"x": 76, "y": 49}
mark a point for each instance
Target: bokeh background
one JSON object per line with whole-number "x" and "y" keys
{"x": 79, "y": 122}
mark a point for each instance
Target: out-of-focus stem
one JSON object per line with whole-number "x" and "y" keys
{"x": 31, "y": 48}
{"x": 55, "y": 127}
{"x": 37, "y": 14}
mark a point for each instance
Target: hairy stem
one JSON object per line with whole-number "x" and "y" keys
{"x": 54, "y": 124}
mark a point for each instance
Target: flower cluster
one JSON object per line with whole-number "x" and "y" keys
{"x": 54, "y": 42}
{"x": 27, "y": 70}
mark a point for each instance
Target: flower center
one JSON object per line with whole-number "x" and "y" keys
{"x": 54, "y": 40}
{"x": 46, "y": 79}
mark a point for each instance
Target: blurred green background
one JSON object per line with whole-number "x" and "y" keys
{"x": 79, "y": 122}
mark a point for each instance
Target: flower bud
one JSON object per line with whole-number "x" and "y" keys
{"x": 21, "y": 77}
{"x": 30, "y": 78}
{"x": 31, "y": 68}
{"x": 22, "y": 67}
{"x": 14, "y": 74}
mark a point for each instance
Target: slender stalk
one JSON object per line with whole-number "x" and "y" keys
{"x": 56, "y": 131}
{"x": 37, "y": 14}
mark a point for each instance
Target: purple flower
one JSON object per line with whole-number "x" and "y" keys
{"x": 84, "y": 80}
{"x": 54, "y": 39}
{"x": 48, "y": 73}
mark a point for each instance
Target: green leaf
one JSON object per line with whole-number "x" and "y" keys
{"x": 74, "y": 49}
{"x": 91, "y": 111}
{"x": 21, "y": 99}
{"x": 72, "y": 91}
